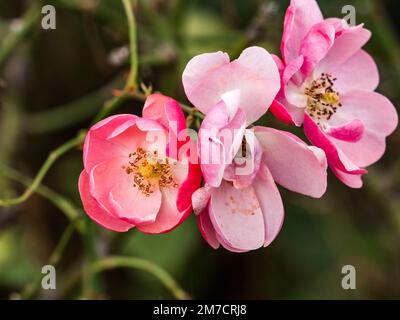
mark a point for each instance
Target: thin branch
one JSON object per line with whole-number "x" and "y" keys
{"x": 131, "y": 84}
{"x": 107, "y": 109}
{"x": 14, "y": 38}
{"x": 64, "y": 204}
{"x": 145, "y": 265}
{"x": 53, "y": 156}
{"x": 31, "y": 289}
{"x": 91, "y": 284}
{"x": 110, "y": 106}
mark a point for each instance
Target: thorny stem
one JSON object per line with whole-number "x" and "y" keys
{"x": 145, "y": 265}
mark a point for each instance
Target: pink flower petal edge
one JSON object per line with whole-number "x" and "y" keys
{"x": 129, "y": 179}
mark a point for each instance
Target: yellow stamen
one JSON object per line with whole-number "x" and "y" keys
{"x": 149, "y": 171}
{"x": 323, "y": 100}
{"x": 331, "y": 98}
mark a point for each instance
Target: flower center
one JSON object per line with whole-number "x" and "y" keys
{"x": 323, "y": 101}
{"x": 148, "y": 170}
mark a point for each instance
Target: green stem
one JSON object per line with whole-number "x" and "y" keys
{"x": 53, "y": 156}
{"x": 58, "y": 200}
{"x": 110, "y": 106}
{"x": 91, "y": 283}
{"x": 47, "y": 121}
{"x": 141, "y": 264}
{"x": 31, "y": 290}
{"x": 131, "y": 84}
{"x": 11, "y": 41}
{"x": 58, "y": 152}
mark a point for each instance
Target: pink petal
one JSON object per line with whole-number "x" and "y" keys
{"x": 169, "y": 217}
{"x": 278, "y": 62}
{"x": 292, "y": 163}
{"x": 349, "y": 132}
{"x": 345, "y": 46}
{"x": 219, "y": 140}
{"x": 291, "y": 69}
{"x": 132, "y": 205}
{"x": 98, "y": 147}
{"x": 265, "y": 86}
{"x": 349, "y": 179}
{"x": 104, "y": 176}
{"x": 244, "y": 168}
{"x": 167, "y": 112}
{"x": 95, "y": 211}
{"x": 164, "y": 110}
{"x": 359, "y": 72}
{"x": 300, "y": 17}
{"x": 211, "y": 150}
{"x": 281, "y": 113}
{"x": 296, "y": 113}
{"x": 296, "y": 96}
{"x": 380, "y": 119}
{"x": 200, "y": 199}
{"x": 271, "y": 204}
{"x": 336, "y": 158}
{"x": 376, "y": 111}
{"x": 207, "y": 229}
{"x": 316, "y": 45}
{"x": 188, "y": 186}
{"x": 208, "y": 77}
{"x": 237, "y": 217}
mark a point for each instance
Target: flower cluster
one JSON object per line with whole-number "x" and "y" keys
{"x": 150, "y": 172}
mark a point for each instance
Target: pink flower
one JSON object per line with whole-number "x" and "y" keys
{"x": 132, "y": 176}
{"x": 239, "y": 206}
{"x": 328, "y": 84}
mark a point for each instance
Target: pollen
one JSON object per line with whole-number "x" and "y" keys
{"x": 149, "y": 171}
{"x": 323, "y": 101}
{"x": 330, "y": 98}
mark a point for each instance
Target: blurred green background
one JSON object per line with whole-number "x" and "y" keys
{"x": 55, "y": 81}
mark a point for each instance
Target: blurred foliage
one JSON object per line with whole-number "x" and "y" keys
{"x": 55, "y": 82}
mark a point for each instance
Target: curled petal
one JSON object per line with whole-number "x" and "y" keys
{"x": 97, "y": 212}
{"x": 131, "y": 205}
{"x": 271, "y": 204}
{"x": 219, "y": 140}
{"x": 352, "y": 180}
{"x": 316, "y": 45}
{"x": 99, "y": 147}
{"x": 200, "y": 199}
{"x": 281, "y": 113}
{"x": 300, "y": 16}
{"x": 207, "y": 229}
{"x": 349, "y": 132}
{"x": 379, "y": 119}
{"x": 164, "y": 110}
{"x": 292, "y": 163}
{"x": 188, "y": 186}
{"x": 346, "y": 45}
{"x": 254, "y": 74}
{"x": 237, "y": 218}
{"x": 168, "y": 217}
